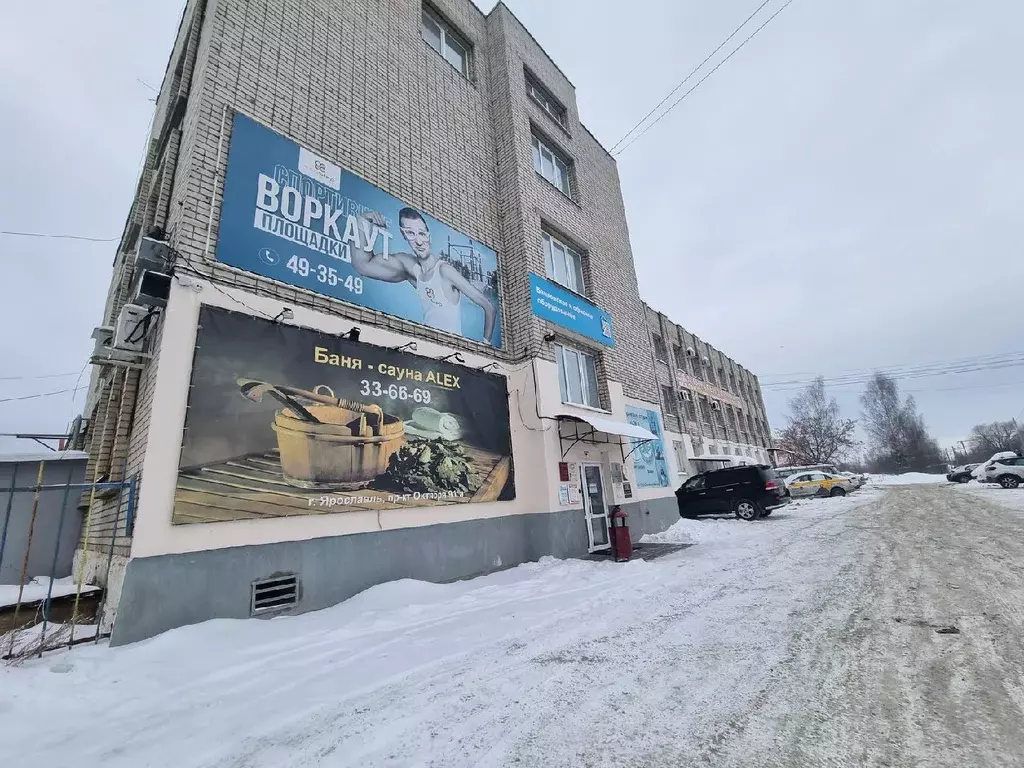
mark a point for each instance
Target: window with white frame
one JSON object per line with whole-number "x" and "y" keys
{"x": 545, "y": 100}
{"x": 563, "y": 263}
{"x": 446, "y": 41}
{"x": 552, "y": 166}
{"x": 577, "y": 376}
{"x": 680, "y": 450}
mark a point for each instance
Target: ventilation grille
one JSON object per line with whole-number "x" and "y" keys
{"x": 274, "y": 594}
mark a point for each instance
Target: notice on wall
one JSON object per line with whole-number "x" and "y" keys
{"x": 286, "y": 421}
{"x": 563, "y": 494}
{"x": 574, "y": 494}
{"x": 293, "y": 216}
{"x": 649, "y": 462}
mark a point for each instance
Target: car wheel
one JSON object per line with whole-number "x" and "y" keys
{"x": 747, "y": 510}
{"x": 1009, "y": 481}
{"x": 838, "y": 492}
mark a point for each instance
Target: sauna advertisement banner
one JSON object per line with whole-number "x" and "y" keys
{"x": 284, "y": 420}
{"x": 291, "y": 215}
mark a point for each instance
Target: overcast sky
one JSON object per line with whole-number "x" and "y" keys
{"x": 845, "y": 193}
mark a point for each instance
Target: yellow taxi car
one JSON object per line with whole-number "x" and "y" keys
{"x": 818, "y": 484}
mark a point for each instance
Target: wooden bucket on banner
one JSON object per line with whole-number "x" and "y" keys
{"x": 332, "y": 442}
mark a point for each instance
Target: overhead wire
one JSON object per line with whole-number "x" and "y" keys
{"x": 59, "y": 236}
{"x": 686, "y": 79}
{"x": 39, "y": 394}
{"x": 697, "y": 85}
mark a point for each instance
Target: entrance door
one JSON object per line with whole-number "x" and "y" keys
{"x": 593, "y": 504}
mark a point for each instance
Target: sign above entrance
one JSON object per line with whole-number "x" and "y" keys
{"x": 554, "y": 303}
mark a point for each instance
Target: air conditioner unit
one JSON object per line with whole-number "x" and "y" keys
{"x": 684, "y": 396}
{"x": 151, "y": 281}
{"x": 715, "y": 405}
{"x": 706, "y": 360}
{"x": 691, "y": 352}
{"x": 130, "y": 331}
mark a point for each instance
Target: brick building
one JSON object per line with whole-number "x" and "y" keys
{"x": 293, "y": 143}
{"x": 713, "y": 408}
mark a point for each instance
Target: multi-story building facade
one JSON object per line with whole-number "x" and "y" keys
{"x": 382, "y": 319}
{"x": 713, "y": 408}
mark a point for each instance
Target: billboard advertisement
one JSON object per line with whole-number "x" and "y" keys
{"x": 552, "y": 302}
{"x": 649, "y": 462}
{"x": 284, "y": 420}
{"x": 293, "y": 216}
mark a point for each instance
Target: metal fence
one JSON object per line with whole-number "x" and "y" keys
{"x": 47, "y": 600}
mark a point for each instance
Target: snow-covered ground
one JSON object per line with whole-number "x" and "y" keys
{"x": 907, "y": 478}
{"x": 554, "y": 663}
{"x": 1012, "y": 498}
{"x": 36, "y": 590}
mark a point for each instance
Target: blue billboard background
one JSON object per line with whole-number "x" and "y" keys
{"x": 551, "y": 301}
{"x": 648, "y": 456}
{"x": 295, "y": 217}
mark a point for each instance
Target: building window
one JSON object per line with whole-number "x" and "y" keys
{"x": 687, "y": 407}
{"x": 721, "y": 377}
{"x": 545, "y": 101}
{"x": 680, "y": 357}
{"x": 446, "y": 41}
{"x": 577, "y": 376}
{"x": 552, "y": 166}
{"x": 680, "y": 450}
{"x": 564, "y": 264}
{"x": 668, "y": 396}
{"x": 660, "y": 351}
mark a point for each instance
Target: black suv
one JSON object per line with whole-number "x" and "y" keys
{"x": 748, "y": 491}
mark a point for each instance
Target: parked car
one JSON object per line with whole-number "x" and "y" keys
{"x": 1008, "y": 472}
{"x": 785, "y": 472}
{"x": 749, "y": 492}
{"x": 979, "y": 472}
{"x": 961, "y": 474}
{"x": 818, "y": 484}
{"x": 853, "y": 477}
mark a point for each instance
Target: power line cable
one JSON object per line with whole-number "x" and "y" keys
{"x": 814, "y": 374}
{"x": 697, "y": 85}
{"x": 686, "y": 79}
{"x": 39, "y": 394}
{"x": 40, "y": 376}
{"x": 59, "y": 237}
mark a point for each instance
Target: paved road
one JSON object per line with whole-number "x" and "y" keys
{"x": 812, "y": 638}
{"x": 884, "y": 684}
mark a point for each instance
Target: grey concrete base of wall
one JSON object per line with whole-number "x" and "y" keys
{"x": 167, "y": 591}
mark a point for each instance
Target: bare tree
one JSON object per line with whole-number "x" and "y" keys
{"x": 987, "y": 439}
{"x": 816, "y": 433}
{"x": 898, "y": 439}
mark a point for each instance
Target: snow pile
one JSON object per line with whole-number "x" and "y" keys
{"x": 907, "y": 478}
{"x": 37, "y": 587}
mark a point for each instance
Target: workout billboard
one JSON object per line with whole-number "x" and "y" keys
{"x": 293, "y": 216}
{"x": 284, "y": 420}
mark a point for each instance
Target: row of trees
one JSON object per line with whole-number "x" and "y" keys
{"x": 897, "y": 437}
{"x": 987, "y": 439}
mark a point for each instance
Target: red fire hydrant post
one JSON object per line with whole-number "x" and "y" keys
{"x": 622, "y": 547}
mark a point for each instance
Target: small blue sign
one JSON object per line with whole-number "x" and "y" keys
{"x": 552, "y": 302}
{"x": 294, "y": 216}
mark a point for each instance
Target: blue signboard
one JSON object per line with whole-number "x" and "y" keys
{"x": 562, "y": 307}
{"x": 648, "y": 456}
{"x": 291, "y": 215}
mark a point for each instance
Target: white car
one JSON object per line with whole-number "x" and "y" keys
{"x": 857, "y": 480}
{"x": 980, "y": 472}
{"x": 1008, "y": 471}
